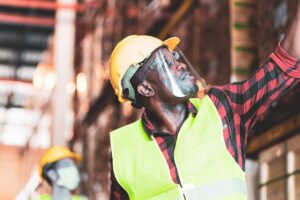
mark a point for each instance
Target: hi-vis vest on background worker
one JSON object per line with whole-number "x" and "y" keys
{"x": 139, "y": 165}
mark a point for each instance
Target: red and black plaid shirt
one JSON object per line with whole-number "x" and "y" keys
{"x": 239, "y": 105}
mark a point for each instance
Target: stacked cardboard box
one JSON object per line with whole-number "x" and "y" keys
{"x": 243, "y": 40}
{"x": 205, "y": 38}
{"x": 272, "y": 20}
{"x": 273, "y": 173}
{"x": 293, "y": 167}
{"x": 280, "y": 171}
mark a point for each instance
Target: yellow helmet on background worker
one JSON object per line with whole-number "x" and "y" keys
{"x": 129, "y": 52}
{"x": 54, "y": 154}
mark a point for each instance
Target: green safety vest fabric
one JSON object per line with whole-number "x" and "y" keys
{"x": 48, "y": 197}
{"x": 205, "y": 167}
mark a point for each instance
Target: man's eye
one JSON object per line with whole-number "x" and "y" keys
{"x": 175, "y": 55}
{"x": 170, "y": 62}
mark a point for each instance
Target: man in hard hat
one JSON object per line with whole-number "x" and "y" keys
{"x": 58, "y": 166}
{"x": 185, "y": 147}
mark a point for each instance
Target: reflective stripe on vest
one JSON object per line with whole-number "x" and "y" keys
{"x": 48, "y": 197}
{"x": 217, "y": 190}
{"x": 205, "y": 167}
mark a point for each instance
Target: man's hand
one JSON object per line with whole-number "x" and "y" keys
{"x": 202, "y": 88}
{"x": 291, "y": 42}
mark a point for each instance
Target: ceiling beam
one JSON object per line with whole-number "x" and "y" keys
{"x": 19, "y": 62}
{"x": 10, "y": 81}
{"x": 28, "y": 20}
{"x": 45, "y": 5}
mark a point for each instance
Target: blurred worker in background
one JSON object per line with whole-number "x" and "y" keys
{"x": 58, "y": 166}
{"x": 185, "y": 147}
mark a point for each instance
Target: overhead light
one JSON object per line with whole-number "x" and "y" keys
{"x": 44, "y": 77}
{"x": 50, "y": 80}
{"x": 70, "y": 88}
{"x": 81, "y": 82}
{"x": 38, "y": 81}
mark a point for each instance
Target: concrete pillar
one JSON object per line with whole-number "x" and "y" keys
{"x": 64, "y": 38}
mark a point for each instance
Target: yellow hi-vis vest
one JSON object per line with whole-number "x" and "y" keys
{"x": 205, "y": 167}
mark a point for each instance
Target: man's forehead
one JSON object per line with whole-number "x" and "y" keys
{"x": 162, "y": 51}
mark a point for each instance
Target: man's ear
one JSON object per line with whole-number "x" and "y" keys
{"x": 145, "y": 89}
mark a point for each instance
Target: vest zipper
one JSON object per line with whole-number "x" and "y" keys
{"x": 182, "y": 191}
{"x": 177, "y": 168}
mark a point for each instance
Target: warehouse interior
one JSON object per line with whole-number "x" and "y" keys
{"x": 55, "y": 87}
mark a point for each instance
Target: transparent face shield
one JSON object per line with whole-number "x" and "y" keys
{"x": 174, "y": 71}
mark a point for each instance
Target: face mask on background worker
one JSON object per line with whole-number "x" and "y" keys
{"x": 68, "y": 177}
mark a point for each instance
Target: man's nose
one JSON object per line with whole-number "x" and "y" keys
{"x": 181, "y": 66}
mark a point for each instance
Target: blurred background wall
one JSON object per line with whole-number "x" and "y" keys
{"x": 54, "y": 82}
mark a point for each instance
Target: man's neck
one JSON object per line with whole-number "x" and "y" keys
{"x": 168, "y": 118}
{"x": 60, "y": 193}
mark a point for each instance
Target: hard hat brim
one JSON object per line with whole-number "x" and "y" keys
{"x": 171, "y": 43}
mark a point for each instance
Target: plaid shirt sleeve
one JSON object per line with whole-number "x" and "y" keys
{"x": 240, "y": 104}
{"x": 252, "y": 97}
{"x": 116, "y": 190}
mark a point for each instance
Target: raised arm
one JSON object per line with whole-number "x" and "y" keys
{"x": 241, "y": 104}
{"x": 291, "y": 42}
{"x": 280, "y": 74}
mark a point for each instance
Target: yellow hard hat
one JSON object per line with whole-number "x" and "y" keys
{"x": 132, "y": 50}
{"x": 54, "y": 154}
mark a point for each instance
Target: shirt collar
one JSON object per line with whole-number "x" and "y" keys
{"x": 150, "y": 127}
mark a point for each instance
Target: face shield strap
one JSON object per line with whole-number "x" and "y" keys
{"x": 126, "y": 84}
